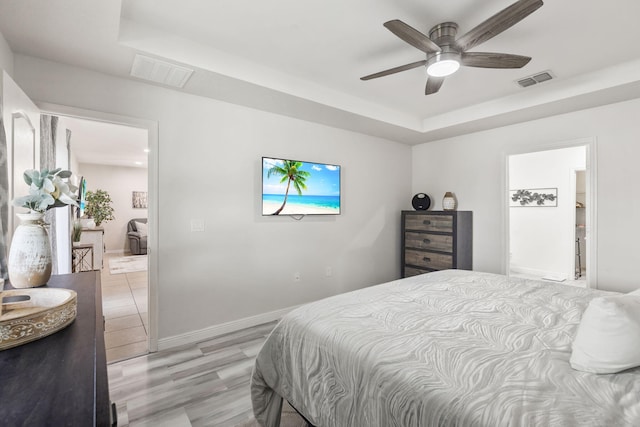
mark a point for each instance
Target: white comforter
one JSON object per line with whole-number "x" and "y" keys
{"x": 450, "y": 348}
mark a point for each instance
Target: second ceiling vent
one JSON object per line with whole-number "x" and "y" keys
{"x": 535, "y": 79}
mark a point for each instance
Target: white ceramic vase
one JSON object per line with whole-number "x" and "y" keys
{"x": 29, "y": 262}
{"x": 448, "y": 202}
{"x": 88, "y": 222}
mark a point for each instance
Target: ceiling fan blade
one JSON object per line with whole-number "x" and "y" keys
{"x": 494, "y": 60}
{"x": 412, "y": 36}
{"x": 498, "y": 23}
{"x": 433, "y": 85}
{"x": 394, "y": 70}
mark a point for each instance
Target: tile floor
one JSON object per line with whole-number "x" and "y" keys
{"x": 124, "y": 305}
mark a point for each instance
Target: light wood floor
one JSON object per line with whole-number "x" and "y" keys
{"x": 203, "y": 384}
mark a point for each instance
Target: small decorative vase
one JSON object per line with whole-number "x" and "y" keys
{"x": 449, "y": 202}
{"x": 88, "y": 222}
{"x": 30, "y": 253}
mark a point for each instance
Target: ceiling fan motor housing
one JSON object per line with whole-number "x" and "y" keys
{"x": 447, "y": 61}
{"x": 444, "y": 34}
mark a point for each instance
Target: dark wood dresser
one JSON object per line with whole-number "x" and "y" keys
{"x": 60, "y": 380}
{"x": 436, "y": 240}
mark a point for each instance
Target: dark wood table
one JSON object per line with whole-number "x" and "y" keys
{"x": 60, "y": 380}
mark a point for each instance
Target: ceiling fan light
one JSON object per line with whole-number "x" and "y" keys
{"x": 443, "y": 68}
{"x": 443, "y": 65}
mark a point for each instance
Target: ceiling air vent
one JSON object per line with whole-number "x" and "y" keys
{"x": 535, "y": 79}
{"x": 159, "y": 71}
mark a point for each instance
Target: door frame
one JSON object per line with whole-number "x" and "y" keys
{"x": 152, "y": 171}
{"x": 591, "y": 230}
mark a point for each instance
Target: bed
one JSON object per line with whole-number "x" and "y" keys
{"x": 448, "y": 348}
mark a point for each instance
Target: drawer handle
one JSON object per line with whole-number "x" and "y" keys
{"x": 426, "y": 222}
{"x": 426, "y": 259}
{"x": 426, "y": 241}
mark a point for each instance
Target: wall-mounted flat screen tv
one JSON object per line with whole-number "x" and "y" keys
{"x": 293, "y": 187}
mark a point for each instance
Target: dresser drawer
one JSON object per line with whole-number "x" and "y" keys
{"x": 429, "y": 223}
{"x": 410, "y": 271}
{"x": 428, "y": 260}
{"x": 436, "y": 242}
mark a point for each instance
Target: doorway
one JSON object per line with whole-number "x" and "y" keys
{"x": 543, "y": 221}
{"x": 129, "y": 292}
{"x": 111, "y": 160}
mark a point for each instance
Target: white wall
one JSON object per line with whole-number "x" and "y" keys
{"x": 210, "y": 154}
{"x": 64, "y": 125}
{"x": 542, "y": 239}
{"x": 119, "y": 182}
{"x": 473, "y": 167}
{"x": 6, "y": 56}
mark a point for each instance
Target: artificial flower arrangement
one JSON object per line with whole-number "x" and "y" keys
{"x": 47, "y": 190}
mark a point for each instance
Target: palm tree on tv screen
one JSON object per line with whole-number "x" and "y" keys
{"x": 290, "y": 172}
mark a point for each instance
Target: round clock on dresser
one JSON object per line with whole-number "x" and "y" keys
{"x": 421, "y": 202}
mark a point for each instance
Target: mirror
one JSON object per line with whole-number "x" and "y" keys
{"x": 23, "y": 157}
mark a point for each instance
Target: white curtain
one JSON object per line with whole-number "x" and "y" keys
{"x": 48, "y": 128}
{"x": 4, "y": 200}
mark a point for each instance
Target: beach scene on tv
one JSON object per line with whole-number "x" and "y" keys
{"x": 291, "y": 187}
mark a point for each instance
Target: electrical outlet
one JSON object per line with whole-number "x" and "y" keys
{"x": 328, "y": 271}
{"x": 197, "y": 225}
{"x": 296, "y": 277}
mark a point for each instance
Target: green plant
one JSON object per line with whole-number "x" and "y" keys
{"x": 77, "y": 230}
{"x": 99, "y": 206}
{"x": 47, "y": 190}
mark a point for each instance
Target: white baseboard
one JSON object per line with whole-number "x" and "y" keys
{"x": 221, "y": 329}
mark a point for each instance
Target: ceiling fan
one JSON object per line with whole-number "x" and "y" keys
{"x": 446, "y": 53}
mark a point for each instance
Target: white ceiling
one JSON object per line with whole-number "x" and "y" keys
{"x": 107, "y": 143}
{"x": 305, "y": 58}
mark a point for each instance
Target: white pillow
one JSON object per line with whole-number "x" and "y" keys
{"x": 142, "y": 228}
{"x": 636, "y": 292}
{"x": 608, "y": 336}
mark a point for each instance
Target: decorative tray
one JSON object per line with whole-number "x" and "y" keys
{"x": 30, "y": 314}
